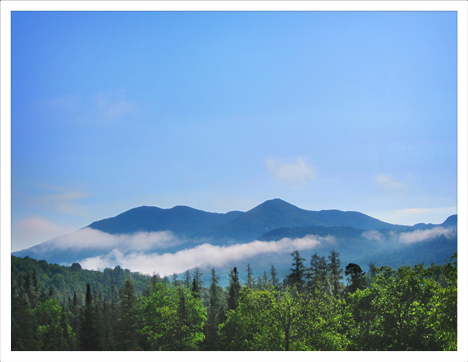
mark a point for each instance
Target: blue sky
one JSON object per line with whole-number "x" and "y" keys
{"x": 224, "y": 110}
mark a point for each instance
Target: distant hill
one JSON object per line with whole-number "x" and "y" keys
{"x": 182, "y": 220}
{"x": 236, "y": 225}
{"x": 357, "y": 236}
{"x": 450, "y": 222}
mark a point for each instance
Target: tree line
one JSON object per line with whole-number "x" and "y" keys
{"x": 312, "y": 308}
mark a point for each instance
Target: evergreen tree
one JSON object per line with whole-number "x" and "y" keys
{"x": 336, "y": 273}
{"x": 75, "y": 311}
{"x": 297, "y": 272}
{"x": 233, "y": 289}
{"x": 89, "y": 337}
{"x": 263, "y": 282}
{"x": 128, "y": 323}
{"x": 274, "y": 277}
{"x": 175, "y": 283}
{"x": 195, "y": 289}
{"x": 23, "y": 325}
{"x": 356, "y": 278}
{"x": 250, "y": 280}
{"x": 318, "y": 273}
{"x": 107, "y": 325}
{"x": 213, "y": 311}
{"x": 187, "y": 279}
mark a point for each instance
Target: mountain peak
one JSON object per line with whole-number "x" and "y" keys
{"x": 451, "y": 221}
{"x": 275, "y": 203}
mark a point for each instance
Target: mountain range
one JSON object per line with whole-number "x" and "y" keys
{"x": 358, "y": 237}
{"x": 184, "y": 221}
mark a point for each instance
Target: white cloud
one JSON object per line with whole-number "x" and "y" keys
{"x": 89, "y": 238}
{"x": 423, "y": 235}
{"x": 202, "y": 255}
{"x": 373, "y": 235}
{"x": 387, "y": 183}
{"x": 34, "y": 229}
{"x": 296, "y": 172}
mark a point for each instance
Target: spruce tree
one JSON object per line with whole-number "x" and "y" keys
{"x": 89, "y": 337}
{"x": 128, "y": 323}
{"x": 274, "y": 277}
{"x": 23, "y": 324}
{"x": 298, "y": 271}
{"x": 234, "y": 289}
{"x": 213, "y": 311}
{"x": 334, "y": 267}
{"x": 250, "y": 280}
{"x": 195, "y": 289}
{"x": 318, "y": 273}
{"x": 187, "y": 279}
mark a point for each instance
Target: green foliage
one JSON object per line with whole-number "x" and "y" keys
{"x": 356, "y": 278}
{"x": 53, "y": 331}
{"x": 318, "y": 274}
{"x": 296, "y": 278}
{"x": 233, "y": 290}
{"x": 129, "y": 321}
{"x": 405, "y": 310}
{"x": 334, "y": 268}
{"x": 284, "y": 321}
{"x": 173, "y": 319}
{"x": 411, "y": 308}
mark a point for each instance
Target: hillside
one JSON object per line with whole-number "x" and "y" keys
{"x": 148, "y": 230}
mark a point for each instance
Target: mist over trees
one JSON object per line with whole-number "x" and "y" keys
{"x": 311, "y": 309}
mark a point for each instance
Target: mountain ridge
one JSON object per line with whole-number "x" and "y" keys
{"x": 188, "y": 227}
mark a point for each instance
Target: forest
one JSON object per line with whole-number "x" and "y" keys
{"x": 319, "y": 306}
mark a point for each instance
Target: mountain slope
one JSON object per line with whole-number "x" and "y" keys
{"x": 182, "y": 227}
{"x": 276, "y": 213}
{"x": 269, "y": 215}
{"x": 182, "y": 220}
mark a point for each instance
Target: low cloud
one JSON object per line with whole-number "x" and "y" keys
{"x": 423, "y": 235}
{"x": 373, "y": 235}
{"x": 200, "y": 256}
{"x": 92, "y": 239}
{"x": 296, "y": 172}
{"x": 387, "y": 183}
